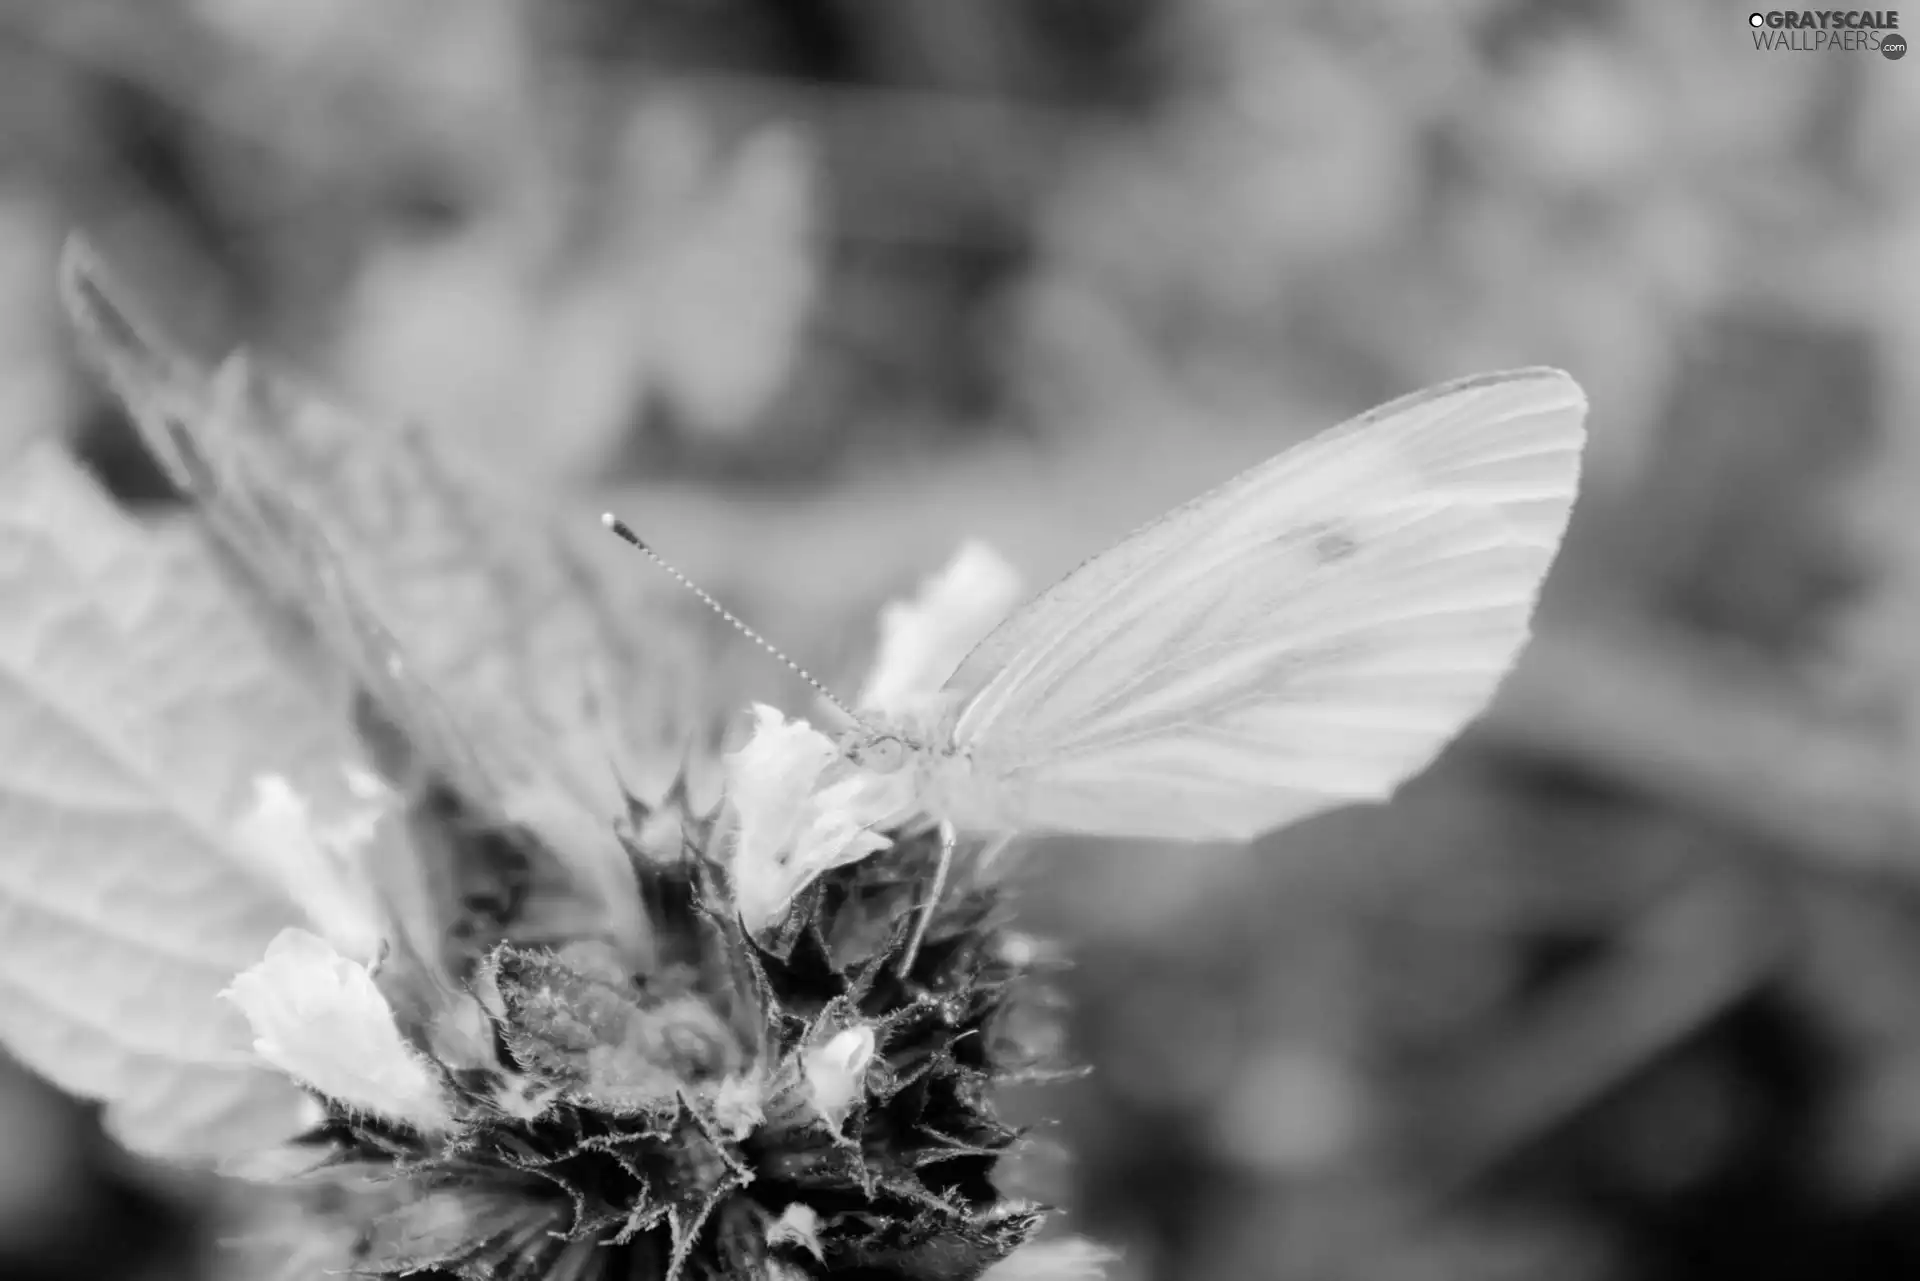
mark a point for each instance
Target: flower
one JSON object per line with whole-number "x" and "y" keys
{"x": 788, "y": 827}
{"x": 799, "y": 810}
{"x": 507, "y": 1085}
{"x": 318, "y": 1017}
{"x": 589, "y": 1118}
{"x": 923, "y": 640}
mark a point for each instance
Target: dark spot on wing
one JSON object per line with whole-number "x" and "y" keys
{"x": 1333, "y": 543}
{"x": 1327, "y": 542}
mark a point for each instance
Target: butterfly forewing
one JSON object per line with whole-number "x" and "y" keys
{"x": 1311, "y": 632}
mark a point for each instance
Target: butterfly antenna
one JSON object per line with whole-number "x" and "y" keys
{"x": 625, "y": 531}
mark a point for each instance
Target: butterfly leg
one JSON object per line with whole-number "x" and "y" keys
{"x": 991, "y": 854}
{"x": 947, "y": 839}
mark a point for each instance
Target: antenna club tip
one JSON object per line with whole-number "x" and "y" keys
{"x": 621, "y": 528}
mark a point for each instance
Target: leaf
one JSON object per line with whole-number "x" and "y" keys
{"x": 525, "y": 638}
{"x": 733, "y": 272}
{"x": 537, "y": 340}
{"x": 495, "y": 607}
{"x": 137, "y": 705}
{"x": 429, "y": 620}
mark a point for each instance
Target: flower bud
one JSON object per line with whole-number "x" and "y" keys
{"x": 836, "y": 1071}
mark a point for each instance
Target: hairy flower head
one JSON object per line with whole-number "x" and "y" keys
{"x": 747, "y": 1109}
{"x": 761, "y": 1102}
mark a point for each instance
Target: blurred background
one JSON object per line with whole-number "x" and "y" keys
{"x": 1628, "y": 986}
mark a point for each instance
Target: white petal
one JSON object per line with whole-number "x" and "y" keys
{"x": 837, "y": 1071}
{"x": 799, "y": 1226}
{"x": 1059, "y": 1259}
{"x": 923, "y": 640}
{"x": 787, "y": 832}
{"x": 771, "y": 779}
{"x": 872, "y": 800}
{"x": 318, "y": 1017}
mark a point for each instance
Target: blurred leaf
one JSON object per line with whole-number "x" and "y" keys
{"x": 497, "y": 607}
{"x": 135, "y": 706}
{"x": 732, "y": 276}
{"x": 74, "y": 1206}
{"x": 471, "y": 670}
{"x": 693, "y": 294}
{"x": 32, "y": 394}
{"x": 426, "y": 583}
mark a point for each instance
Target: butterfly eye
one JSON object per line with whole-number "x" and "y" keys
{"x": 882, "y": 755}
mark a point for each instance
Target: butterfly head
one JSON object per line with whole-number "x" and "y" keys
{"x": 875, "y": 749}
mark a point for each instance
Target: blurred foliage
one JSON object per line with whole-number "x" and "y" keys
{"x": 73, "y": 1207}
{"x": 1629, "y": 985}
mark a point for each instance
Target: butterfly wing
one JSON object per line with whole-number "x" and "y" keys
{"x": 1310, "y": 633}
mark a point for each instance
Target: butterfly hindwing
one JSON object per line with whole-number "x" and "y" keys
{"x": 1310, "y": 633}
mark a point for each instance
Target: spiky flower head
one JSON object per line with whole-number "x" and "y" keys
{"x": 775, "y": 1095}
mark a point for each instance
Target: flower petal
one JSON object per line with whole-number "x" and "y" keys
{"x": 923, "y": 640}
{"x": 318, "y": 1017}
{"x": 788, "y": 830}
{"x": 1058, "y": 1259}
{"x": 836, "y": 1071}
{"x": 771, "y": 779}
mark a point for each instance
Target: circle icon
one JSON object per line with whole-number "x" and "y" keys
{"x": 1756, "y": 20}
{"x": 1895, "y": 47}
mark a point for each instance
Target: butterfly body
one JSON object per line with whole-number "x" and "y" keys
{"x": 917, "y": 745}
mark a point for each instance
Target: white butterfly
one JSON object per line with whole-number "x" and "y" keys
{"x": 1308, "y": 634}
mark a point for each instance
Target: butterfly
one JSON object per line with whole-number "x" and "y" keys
{"x": 1309, "y": 634}
{"x": 472, "y": 641}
